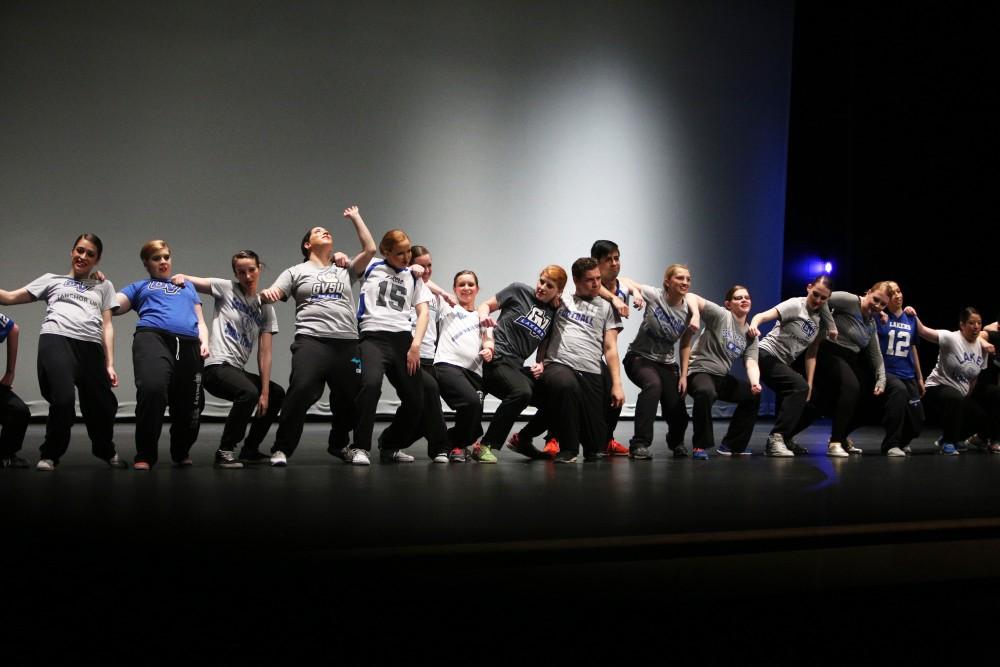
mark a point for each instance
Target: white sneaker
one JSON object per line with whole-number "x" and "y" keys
{"x": 896, "y": 451}
{"x": 395, "y": 456}
{"x": 441, "y": 458}
{"x": 835, "y": 450}
{"x": 776, "y": 446}
{"x": 278, "y": 459}
{"x": 117, "y": 463}
{"x": 358, "y": 457}
{"x": 851, "y": 449}
{"x": 48, "y": 465}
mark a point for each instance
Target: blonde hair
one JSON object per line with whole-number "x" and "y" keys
{"x": 150, "y": 247}
{"x": 672, "y": 269}
{"x": 556, "y": 274}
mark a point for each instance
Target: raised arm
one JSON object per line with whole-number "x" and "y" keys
{"x": 264, "y": 342}
{"x": 16, "y": 297}
{"x": 436, "y": 290}
{"x": 368, "y": 246}
{"x": 108, "y": 341}
{"x": 924, "y": 332}
{"x": 203, "y": 285}
{"x": 635, "y": 289}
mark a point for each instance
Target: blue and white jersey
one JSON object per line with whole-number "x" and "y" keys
{"x": 387, "y": 296}
{"x": 896, "y": 338}
{"x": 6, "y": 325}
{"x": 164, "y": 306}
{"x": 238, "y": 323}
{"x": 959, "y": 361}
{"x": 75, "y": 307}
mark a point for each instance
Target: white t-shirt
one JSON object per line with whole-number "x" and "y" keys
{"x": 459, "y": 338}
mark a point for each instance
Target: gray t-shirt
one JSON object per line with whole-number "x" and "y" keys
{"x": 523, "y": 323}
{"x": 722, "y": 341}
{"x": 856, "y": 331}
{"x": 324, "y": 302}
{"x": 238, "y": 322}
{"x": 578, "y": 337}
{"x": 661, "y": 328}
{"x": 959, "y": 362}
{"x": 797, "y": 327}
{"x": 75, "y": 307}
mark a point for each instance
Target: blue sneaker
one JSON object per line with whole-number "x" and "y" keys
{"x": 949, "y": 449}
{"x": 722, "y": 450}
{"x": 699, "y": 454}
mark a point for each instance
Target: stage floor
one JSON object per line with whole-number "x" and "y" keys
{"x": 311, "y": 541}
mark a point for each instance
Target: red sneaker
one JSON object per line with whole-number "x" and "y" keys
{"x": 616, "y": 448}
{"x": 551, "y": 448}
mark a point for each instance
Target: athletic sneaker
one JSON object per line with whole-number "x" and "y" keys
{"x": 948, "y": 449}
{"x": 226, "y": 459}
{"x": 551, "y": 447}
{"x": 907, "y": 450}
{"x": 441, "y": 457}
{"x": 278, "y": 459}
{"x": 457, "y": 455}
{"x": 776, "y": 446}
{"x": 681, "y": 452}
{"x": 616, "y": 448}
{"x": 850, "y": 448}
{"x": 394, "y": 456}
{"x": 140, "y": 466}
{"x": 639, "y": 453}
{"x": 994, "y": 447}
{"x": 836, "y": 451}
{"x": 796, "y": 448}
{"x": 47, "y": 465}
{"x": 723, "y": 450}
{"x": 974, "y": 442}
{"x": 14, "y": 461}
{"x": 185, "y": 462}
{"x": 564, "y": 457}
{"x": 483, "y": 453}
{"x": 895, "y": 452}
{"x": 522, "y": 447}
{"x": 699, "y": 454}
{"x": 253, "y": 457}
{"x": 117, "y": 463}
{"x": 357, "y": 457}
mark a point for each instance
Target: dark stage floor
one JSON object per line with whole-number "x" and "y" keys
{"x": 314, "y": 545}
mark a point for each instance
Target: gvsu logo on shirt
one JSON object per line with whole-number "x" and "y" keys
{"x": 77, "y": 285}
{"x": 734, "y": 347}
{"x": 327, "y": 289}
{"x": 669, "y": 321}
{"x": 536, "y": 322}
{"x": 169, "y": 288}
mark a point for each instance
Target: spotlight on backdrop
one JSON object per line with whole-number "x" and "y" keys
{"x": 814, "y": 267}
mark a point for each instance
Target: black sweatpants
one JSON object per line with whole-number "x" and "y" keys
{"x": 705, "y": 389}
{"x": 514, "y": 386}
{"x": 791, "y": 388}
{"x": 383, "y": 354}
{"x": 576, "y": 404}
{"x": 317, "y": 363}
{"x": 611, "y": 414}
{"x": 64, "y": 364}
{"x": 431, "y": 425}
{"x": 657, "y": 387}
{"x": 961, "y": 416}
{"x": 167, "y": 374}
{"x": 462, "y": 390}
{"x": 243, "y": 389}
{"x": 14, "y": 416}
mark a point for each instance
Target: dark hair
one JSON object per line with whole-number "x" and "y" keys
{"x": 246, "y": 254}
{"x": 602, "y": 249}
{"x": 734, "y": 289}
{"x": 825, "y": 279}
{"x": 418, "y": 251}
{"x": 967, "y": 313}
{"x": 93, "y": 238}
{"x": 582, "y": 265}
{"x": 465, "y": 272}
{"x": 305, "y": 240}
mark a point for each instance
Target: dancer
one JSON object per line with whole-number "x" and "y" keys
{"x": 75, "y": 351}
{"x": 725, "y": 338}
{"x": 168, "y": 352}
{"x": 897, "y": 337}
{"x": 325, "y": 348}
{"x": 14, "y": 414}
{"x": 240, "y": 320}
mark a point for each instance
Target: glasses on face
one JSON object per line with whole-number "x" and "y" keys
{"x": 818, "y": 296}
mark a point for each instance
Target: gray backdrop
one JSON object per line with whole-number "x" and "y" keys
{"x": 502, "y": 135}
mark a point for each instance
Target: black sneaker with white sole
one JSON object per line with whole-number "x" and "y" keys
{"x": 226, "y": 459}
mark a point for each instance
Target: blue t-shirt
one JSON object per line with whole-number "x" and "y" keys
{"x": 6, "y": 324}
{"x": 894, "y": 339}
{"x": 164, "y": 306}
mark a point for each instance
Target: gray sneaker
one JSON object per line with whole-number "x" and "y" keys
{"x": 776, "y": 446}
{"x": 896, "y": 452}
{"x": 14, "y": 461}
{"x": 639, "y": 453}
{"x": 358, "y": 457}
{"x": 394, "y": 456}
{"x": 227, "y": 459}
{"x": 681, "y": 452}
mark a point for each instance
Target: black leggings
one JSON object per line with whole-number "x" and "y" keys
{"x": 791, "y": 388}
{"x": 657, "y": 387}
{"x": 167, "y": 374}
{"x": 383, "y": 354}
{"x": 705, "y": 389}
{"x": 431, "y": 424}
{"x": 514, "y": 386}
{"x": 65, "y": 363}
{"x": 462, "y": 390}
{"x": 243, "y": 389}
{"x": 317, "y": 363}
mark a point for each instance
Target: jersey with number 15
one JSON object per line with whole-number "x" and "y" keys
{"x": 387, "y": 295}
{"x": 895, "y": 337}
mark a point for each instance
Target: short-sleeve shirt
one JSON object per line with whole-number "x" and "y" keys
{"x": 959, "y": 361}
{"x": 324, "y": 302}
{"x": 459, "y": 338}
{"x": 578, "y": 336}
{"x": 855, "y": 329}
{"x": 239, "y": 321}
{"x": 523, "y": 323}
{"x": 722, "y": 342}
{"x": 387, "y": 296}
{"x": 796, "y": 329}
{"x": 661, "y": 328}
{"x": 428, "y": 345}
{"x": 75, "y": 307}
{"x": 163, "y": 306}
{"x": 6, "y": 326}
{"x": 895, "y": 338}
